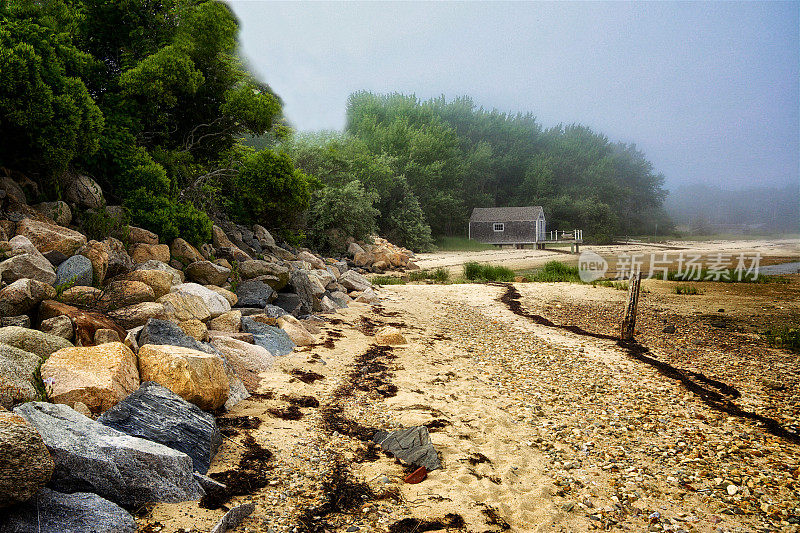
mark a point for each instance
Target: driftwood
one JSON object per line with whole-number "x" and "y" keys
{"x": 234, "y": 517}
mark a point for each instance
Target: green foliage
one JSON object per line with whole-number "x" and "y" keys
{"x": 786, "y": 337}
{"x": 339, "y": 212}
{"x": 47, "y": 116}
{"x": 555, "y": 271}
{"x": 455, "y": 156}
{"x": 151, "y": 98}
{"x": 387, "y": 280}
{"x": 269, "y": 188}
{"x": 475, "y": 271}
{"x": 99, "y": 224}
{"x": 689, "y": 290}
{"x": 337, "y": 160}
{"x": 168, "y": 218}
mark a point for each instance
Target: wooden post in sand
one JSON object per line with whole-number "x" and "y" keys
{"x": 629, "y": 320}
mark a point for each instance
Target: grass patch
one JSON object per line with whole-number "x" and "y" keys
{"x": 619, "y": 285}
{"x": 475, "y": 271}
{"x": 785, "y": 337}
{"x": 687, "y": 289}
{"x": 387, "y": 280}
{"x": 440, "y": 275}
{"x": 555, "y": 271}
{"x": 460, "y": 244}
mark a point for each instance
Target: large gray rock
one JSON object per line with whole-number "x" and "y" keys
{"x": 411, "y": 445}
{"x": 254, "y": 293}
{"x": 56, "y": 512}
{"x": 353, "y": 281}
{"x": 25, "y": 463}
{"x": 85, "y": 192}
{"x": 156, "y": 413}
{"x": 157, "y": 331}
{"x": 92, "y": 457}
{"x": 278, "y": 275}
{"x": 23, "y": 295}
{"x": 17, "y": 375}
{"x": 274, "y": 340}
{"x": 76, "y": 270}
{"x": 304, "y": 288}
{"x": 31, "y": 340}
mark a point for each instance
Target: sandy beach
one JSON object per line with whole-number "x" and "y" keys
{"x": 538, "y": 428}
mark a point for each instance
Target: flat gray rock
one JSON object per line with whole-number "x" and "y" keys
{"x": 91, "y": 457}
{"x": 55, "y": 512}
{"x": 275, "y": 340}
{"x": 157, "y": 331}
{"x": 157, "y": 414}
{"x": 411, "y": 445}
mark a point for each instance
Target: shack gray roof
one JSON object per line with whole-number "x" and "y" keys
{"x": 506, "y": 214}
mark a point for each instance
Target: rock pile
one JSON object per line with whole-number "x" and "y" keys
{"x": 381, "y": 255}
{"x": 134, "y": 343}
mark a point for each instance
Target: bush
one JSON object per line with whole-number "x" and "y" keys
{"x": 168, "y": 218}
{"x": 337, "y": 213}
{"x": 556, "y": 271}
{"x": 269, "y": 190}
{"x": 475, "y": 271}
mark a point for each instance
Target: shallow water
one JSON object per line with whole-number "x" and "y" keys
{"x": 783, "y": 268}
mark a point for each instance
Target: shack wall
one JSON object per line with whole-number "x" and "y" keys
{"x": 515, "y": 232}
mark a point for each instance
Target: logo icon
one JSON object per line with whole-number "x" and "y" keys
{"x": 591, "y": 266}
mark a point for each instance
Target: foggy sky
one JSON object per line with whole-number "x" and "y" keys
{"x": 709, "y": 91}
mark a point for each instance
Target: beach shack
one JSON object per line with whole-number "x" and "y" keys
{"x": 517, "y": 226}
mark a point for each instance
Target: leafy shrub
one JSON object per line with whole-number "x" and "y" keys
{"x": 167, "y": 218}
{"x": 269, "y": 189}
{"x": 337, "y": 213}
{"x": 556, "y": 271}
{"x": 475, "y": 271}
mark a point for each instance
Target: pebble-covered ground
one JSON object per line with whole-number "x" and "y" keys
{"x": 539, "y": 429}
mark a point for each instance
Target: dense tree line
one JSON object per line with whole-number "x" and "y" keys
{"x": 428, "y": 163}
{"x": 150, "y": 98}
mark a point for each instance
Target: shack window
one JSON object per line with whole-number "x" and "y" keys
{"x": 499, "y": 226}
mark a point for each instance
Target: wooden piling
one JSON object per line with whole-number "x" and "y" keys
{"x": 629, "y": 320}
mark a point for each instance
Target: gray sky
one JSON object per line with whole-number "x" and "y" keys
{"x": 709, "y": 91}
